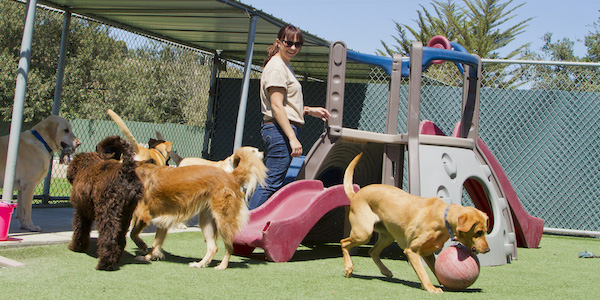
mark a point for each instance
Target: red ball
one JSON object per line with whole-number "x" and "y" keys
{"x": 456, "y": 267}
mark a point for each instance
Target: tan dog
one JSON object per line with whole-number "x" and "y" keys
{"x": 419, "y": 225}
{"x": 158, "y": 151}
{"x": 33, "y": 160}
{"x": 174, "y": 195}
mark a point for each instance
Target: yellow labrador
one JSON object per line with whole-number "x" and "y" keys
{"x": 36, "y": 148}
{"x": 419, "y": 225}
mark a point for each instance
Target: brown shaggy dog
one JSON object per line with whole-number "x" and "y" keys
{"x": 106, "y": 190}
{"x": 174, "y": 195}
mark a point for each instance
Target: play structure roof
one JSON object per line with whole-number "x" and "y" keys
{"x": 208, "y": 25}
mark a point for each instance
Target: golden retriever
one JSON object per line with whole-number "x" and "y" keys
{"x": 36, "y": 148}
{"x": 175, "y": 194}
{"x": 419, "y": 225}
{"x": 158, "y": 151}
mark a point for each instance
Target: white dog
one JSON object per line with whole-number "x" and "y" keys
{"x": 36, "y": 148}
{"x": 228, "y": 164}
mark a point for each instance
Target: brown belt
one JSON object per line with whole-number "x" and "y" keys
{"x": 291, "y": 122}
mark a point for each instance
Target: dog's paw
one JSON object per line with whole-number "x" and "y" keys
{"x": 221, "y": 267}
{"x": 142, "y": 258}
{"x": 348, "y": 271}
{"x": 432, "y": 289}
{"x": 106, "y": 267}
{"x": 198, "y": 265}
{"x": 143, "y": 248}
{"x": 77, "y": 248}
{"x": 31, "y": 227}
{"x": 153, "y": 256}
{"x": 387, "y": 273}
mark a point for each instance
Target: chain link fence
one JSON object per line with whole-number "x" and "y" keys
{"x": 156, "y": 87}
{"x": 540, "y": 120}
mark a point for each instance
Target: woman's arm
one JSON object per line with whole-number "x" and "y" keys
{"x": 276, "y": 96}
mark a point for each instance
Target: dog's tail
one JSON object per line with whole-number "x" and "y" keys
{"x": 122, "y": 126}
{"x": 250, "y": 171}
{"x": 348, "y": 175}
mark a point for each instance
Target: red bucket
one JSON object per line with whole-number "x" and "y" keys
{"x": 6, "y": 210}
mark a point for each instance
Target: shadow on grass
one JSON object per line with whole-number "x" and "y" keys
{"x": 186, "y": 260}
{"x": 314, "y": 251}
{"x": 412, "y": 284}
{"x": 126, "y": 258}
{"x": 324, "y": 251}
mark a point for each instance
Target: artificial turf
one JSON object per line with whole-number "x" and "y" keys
{"x": 553, "y": 271}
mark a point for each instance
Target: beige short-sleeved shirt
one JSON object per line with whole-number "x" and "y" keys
{"x": 279, "y": 74}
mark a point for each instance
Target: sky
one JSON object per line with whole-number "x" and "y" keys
{"x": 363, "y": 24}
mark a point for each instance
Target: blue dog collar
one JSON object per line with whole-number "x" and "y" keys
{"x": 448, "y": 227}
{"x": 39, "y": 137}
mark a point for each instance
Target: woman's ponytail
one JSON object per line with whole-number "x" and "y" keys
{"x": 271, "y": 51}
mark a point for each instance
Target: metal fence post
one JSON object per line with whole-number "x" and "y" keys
{"x": 57, "y": 93}
{"x": 212, "y": 97}
{"x": 19, "y": 103}
{"x": 239, "y": 130}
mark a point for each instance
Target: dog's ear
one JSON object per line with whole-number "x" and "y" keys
{"x": 52, "y": 127}
{"x": 466, "y": 221}
{"x": 152, "y": 143}
{"x": 176, "y": 158}
{"x": 159, "y": 136}
{"x": 235, "y": 159}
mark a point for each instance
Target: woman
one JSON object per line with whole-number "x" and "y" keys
{"x": 282, "y": 106}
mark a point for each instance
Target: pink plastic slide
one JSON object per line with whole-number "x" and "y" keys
{"x": 280, "y": 224}
{"x": 528, "y": 229}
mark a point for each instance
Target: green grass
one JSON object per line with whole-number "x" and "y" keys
{"x": 553, "y": 271}
{"x": 60, "y": 187}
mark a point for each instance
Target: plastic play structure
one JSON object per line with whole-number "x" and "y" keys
{"x": 437, "y": 165}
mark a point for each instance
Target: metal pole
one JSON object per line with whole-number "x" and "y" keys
{"x": 18, "y": 103}
{"x": 575, "y": 232}
{"x": 212, "y": 96}
{"x": 64, "y": 41}
{"x": 239, "y": 129}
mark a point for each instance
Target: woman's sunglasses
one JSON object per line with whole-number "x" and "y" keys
{"x": 289, "y": 44}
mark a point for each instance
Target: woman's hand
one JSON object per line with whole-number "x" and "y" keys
{"x": 318, "y": 112}
{"x": 296, "y": 148}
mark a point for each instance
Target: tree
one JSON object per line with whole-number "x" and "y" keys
{"x": 592, "y": 42}
{"x": 41, "y": 75}
{"x": 448, "y": 14}
{"x": 479, "y": 25}
{"x": 155, "y": 82}
{"x": 567, "y": 78}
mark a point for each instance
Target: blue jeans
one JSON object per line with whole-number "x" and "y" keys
{"x": 278, "y": 161}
